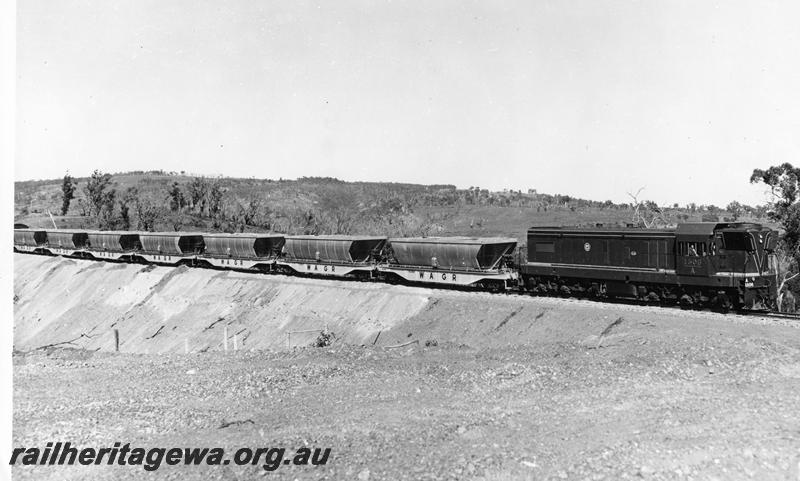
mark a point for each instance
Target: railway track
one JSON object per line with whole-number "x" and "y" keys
{"x": 600, "y": 300}
{"x": 793, "y": 316}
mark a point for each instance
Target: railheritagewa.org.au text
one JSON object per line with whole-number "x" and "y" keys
{"x": 151, "y": 459}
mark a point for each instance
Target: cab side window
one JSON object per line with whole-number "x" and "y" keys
{"x": 692, "y": 249}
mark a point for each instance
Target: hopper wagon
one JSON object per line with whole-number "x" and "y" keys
{"x": 482, "y": 262}
{"x": 331, "y": 255}
{"x": 169, "y": 248}
{"x": 242, "y": 251}
{"x": 30, "y": 240}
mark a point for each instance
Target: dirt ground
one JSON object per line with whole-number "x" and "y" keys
{"x": 507, "y": 387}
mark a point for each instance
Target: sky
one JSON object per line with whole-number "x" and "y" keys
{"x": 588, "y": 98}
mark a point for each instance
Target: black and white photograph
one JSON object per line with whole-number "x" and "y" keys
{"x": 400, "y": 240}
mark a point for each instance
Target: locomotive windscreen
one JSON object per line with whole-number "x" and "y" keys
{"x": 735, "y": 241}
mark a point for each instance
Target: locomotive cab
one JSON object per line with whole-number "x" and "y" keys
{"x": 694, "y": 248}
{"x": 744, "y": 249}
{"x": 737, "y": 257}
{"x": 719, "y": 249}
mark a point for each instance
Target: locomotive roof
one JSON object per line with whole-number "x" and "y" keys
{"x": 708, "y": 228}
{"x": 601, "y": 230}
{"x": 684, "y": 229}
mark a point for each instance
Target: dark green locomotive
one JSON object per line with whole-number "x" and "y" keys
{"x": 727, "y": 265}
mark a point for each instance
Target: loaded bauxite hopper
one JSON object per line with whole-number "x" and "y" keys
{"x": 28, "y": 240}
{"x": 460, "y": 261}
{"x": 476, "y": 253}
{"x": 246, "y": 251}
{"x": 67, "y": 242}
{"x": 118, "y": 245}
{"x": 332, "y": 255}
{"x": 170, "y": 247}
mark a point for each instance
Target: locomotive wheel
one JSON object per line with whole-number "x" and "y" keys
{"x": 722, "y": 302}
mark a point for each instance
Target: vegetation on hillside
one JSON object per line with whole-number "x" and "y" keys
{"x": 159, "y": 200}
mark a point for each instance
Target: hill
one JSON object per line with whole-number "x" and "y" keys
{"x": 160, "y": 200}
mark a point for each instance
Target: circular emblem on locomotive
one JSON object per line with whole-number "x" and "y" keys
{"x": 587, "y": 247}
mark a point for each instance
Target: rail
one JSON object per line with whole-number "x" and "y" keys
{"x": 794, "y": 316}
{"x": 606, "y": 300}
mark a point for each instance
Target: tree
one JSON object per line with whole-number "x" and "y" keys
{"x": 175, "y": 221}
{"x": 647, "y": 213}
{"x": 176, "y": 199}
{"x": 67, "y": 192}
{"x": 198, "y": 190}
{"x": 83, "y": 207}
{"x": 106, "y": 219}
{"x": 786, "y": 268}
{"x": 215, "y": 196}
{"x": 98, "y": 192}
{"x": 736, "y": 209}
{"x": 147, "y": 214}
{"x": 784, "y": 184}
{"x": 128, "y": 199}
{"x": 249, "y": 210}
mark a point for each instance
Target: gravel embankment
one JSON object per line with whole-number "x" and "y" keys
{"x": 510, "y": 387}
{"x": 649, "y": 406}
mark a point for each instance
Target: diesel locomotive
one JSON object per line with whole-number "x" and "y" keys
{"x": 723, "y": 265}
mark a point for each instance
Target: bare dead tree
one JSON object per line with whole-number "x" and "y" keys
{"x": 784, "y": 271}
{"x": 638, "y": 219}
{"x": 647, "y": 213}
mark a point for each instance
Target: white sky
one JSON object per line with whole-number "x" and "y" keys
{"x": 590, "y": 98}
